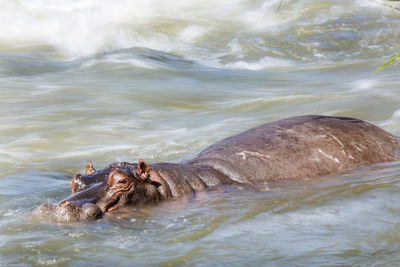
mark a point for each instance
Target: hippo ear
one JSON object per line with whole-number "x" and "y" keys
{"x": 89, "y": 168}
{"x": 118, "y": 177}
{"x": 144, "y": 169}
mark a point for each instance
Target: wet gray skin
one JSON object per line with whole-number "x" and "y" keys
{"x": 66, "y": 212}
{"x": 94, "y": 194}
{"x": 294, "y": 148}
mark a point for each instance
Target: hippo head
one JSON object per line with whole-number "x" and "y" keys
{"x": 98, "y": 192}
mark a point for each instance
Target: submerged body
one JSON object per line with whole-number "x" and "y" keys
{"x": 294, "y": 148}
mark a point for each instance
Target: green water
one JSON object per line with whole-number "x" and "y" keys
{"x": 160, "y": 81}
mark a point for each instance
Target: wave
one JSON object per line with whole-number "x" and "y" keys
{"x": 88, "y": 27}
{"x": 228, "y": 34}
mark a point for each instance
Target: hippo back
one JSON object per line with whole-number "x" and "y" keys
{"x": 299, "y": 147}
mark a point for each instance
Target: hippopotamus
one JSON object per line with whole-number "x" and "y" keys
{"x": 288, "y": 149}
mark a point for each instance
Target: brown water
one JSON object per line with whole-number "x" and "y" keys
{"x": 161, "y": 80}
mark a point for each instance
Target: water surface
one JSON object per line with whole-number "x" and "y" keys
{"x": 160, "y": 81}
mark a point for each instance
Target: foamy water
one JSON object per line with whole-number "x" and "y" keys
{"x": 161, "y": 80}
{"x": 233, "y": 34}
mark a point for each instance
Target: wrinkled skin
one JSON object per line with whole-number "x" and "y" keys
{"x": 96, "y": 193}
{"x": 294, "y": 148}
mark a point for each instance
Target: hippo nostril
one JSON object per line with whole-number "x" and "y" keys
{"x": 64, "y": 203}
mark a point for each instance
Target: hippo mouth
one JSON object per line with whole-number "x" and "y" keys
{"x": 110, "y": 205}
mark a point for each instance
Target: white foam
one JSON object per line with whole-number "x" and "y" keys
{"x": 263, "y": 63}
{"x": 236, "y": 48}
{"x": 393, "y": 123}
{"x": 206, "y": 31}
{"x": 79, "y": 28}
{"x": 190, "y": 33}
{"x": 363, "y": 85}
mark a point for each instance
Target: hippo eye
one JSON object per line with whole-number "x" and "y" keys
{"x": 124, "y": 181}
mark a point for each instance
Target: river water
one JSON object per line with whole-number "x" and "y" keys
{"x": 160, "y": 80}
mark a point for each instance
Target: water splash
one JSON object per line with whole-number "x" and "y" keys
{"x": 236, "y": 34}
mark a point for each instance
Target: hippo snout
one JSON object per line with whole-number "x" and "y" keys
{"x": 90, "y": 211}
{"x": 67, "y": 212}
